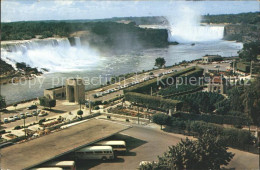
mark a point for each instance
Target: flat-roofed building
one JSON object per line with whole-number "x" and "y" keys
{"x": 73, "y": 91}
{"x": 35, "y": 152}
{"x": 211, "y": 58}
{"x": 56, "y": 92}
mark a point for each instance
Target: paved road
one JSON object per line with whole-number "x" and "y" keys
{"x": 140, "y": 77}
{"x": 147, "y": 142}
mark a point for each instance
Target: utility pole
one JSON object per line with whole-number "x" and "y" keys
{"x": 234, "y": 66}
{"x": 89, "y": 104}
{"x": 138, "y": 114}
{"x": 151, "y": 91}
{"x": 251, "y": 68}
{"x": 1, "y": 119}
{"x": 24, "y": 126}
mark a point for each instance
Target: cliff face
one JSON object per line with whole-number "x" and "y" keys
{"x": 242, "y": 32}
{"x": 114, "y": 37}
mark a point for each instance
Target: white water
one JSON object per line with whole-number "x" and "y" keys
{"x": 184, "y": 27}
{"x": 195, "y": 33}
{"x": 57, "y": 55}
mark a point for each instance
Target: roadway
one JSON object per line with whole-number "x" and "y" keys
{"x": 140, "y": 77}
{"x": 148, "y": 142}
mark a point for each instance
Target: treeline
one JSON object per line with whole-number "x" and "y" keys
{"x": 191, "y": 124}
{"x": 176, "y": 89}
{"x": 105, "y": 34}
{"x": 243, "y": 18}
{"x": 29, "y": 30}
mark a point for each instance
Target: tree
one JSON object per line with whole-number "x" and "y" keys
{"x": 208, "y": 152}
{"x": 159, "y": 62}
{"x": 80, "y": 113}
{"x": 250, "y": 51}
{"x": 161, "y": 119}
{"x": 2, "y": 102}
{"x": 21, "y": 65}
{"x": 47, "y": 102}
{"x": 251, "y": 101}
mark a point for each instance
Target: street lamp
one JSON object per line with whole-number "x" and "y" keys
{"x": 23, "y": 117}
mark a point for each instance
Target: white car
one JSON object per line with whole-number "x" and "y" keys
{"x": 29, "y": 114}
{"x": 43, "y": 114}
{"x": 11, "y": 119}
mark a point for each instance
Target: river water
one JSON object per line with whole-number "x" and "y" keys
{"x": 77, "y": 62}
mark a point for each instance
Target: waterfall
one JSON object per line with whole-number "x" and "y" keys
{"x": 57, "y": 55}
{"x": 77, "y": 42}
{"x": 195, "y": 33}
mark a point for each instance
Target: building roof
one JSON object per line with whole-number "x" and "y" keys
{"x": 211, "y": 56}
{"x": 111, "y": 142}
{"x": 217, "y": 79}
{"x": 58, "y": 87}
{"x": 95, "y": 148}
{"x": 37, "y": 151}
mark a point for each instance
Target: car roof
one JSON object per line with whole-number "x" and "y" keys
{"x": 95, "y": 148}
{"x": 112, "y": 142}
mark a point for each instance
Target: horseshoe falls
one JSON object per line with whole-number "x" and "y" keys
{"x": 183, "y": 34}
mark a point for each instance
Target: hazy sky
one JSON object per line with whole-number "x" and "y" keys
{"x": 21, "y": 10}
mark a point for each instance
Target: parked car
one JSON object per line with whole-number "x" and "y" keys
{"x": 6, "y": 120}
{"x": 29, "y": 114}
{"x": 34, "y": 113}
{"x": 43, "y": 114}
{"x": 11, "y": 119}
{"x": 32, "y": 107}
{"x": 16, "y": 117}
{"x": 22, "y": 115}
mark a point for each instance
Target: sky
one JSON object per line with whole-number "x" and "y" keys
{"x": 34, "y": 10}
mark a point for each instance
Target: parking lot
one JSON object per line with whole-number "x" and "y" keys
{"x": 60, "y": 108}
{"x": 145, "y": 143}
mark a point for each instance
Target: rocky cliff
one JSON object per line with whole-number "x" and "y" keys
{"x": 242, "y": 32}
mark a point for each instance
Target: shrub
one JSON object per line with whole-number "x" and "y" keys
{"x": 41, "y": 121}
{"x": 96, "y": 108}
{"x": 231, "y": 136}
{"x": 218, "y": 119}
{"x": 152, "y": 101}
{"x": 161, "y": 119}
{"x": 2, "y": 131}
{"x": 80, "y": 113}
{"x": 105, "y": 102}
{"x": 17, "y": 127}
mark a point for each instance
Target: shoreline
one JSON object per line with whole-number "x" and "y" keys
{"x": 134, "y": 74}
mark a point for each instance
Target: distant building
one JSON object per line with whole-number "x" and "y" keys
{"x": 56, "y": 92}
{"x": 73, "y": 91}
{"x": 217, "y": 84}
{"x": 211, "y": 58}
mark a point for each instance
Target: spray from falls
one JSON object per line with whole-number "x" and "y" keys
{"x": 184, "y": 27}
{"x": 56, "y": 55}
